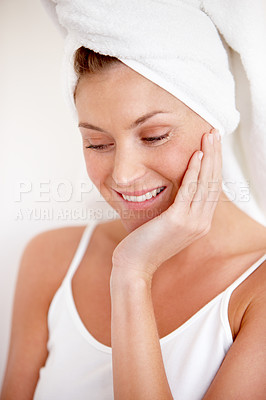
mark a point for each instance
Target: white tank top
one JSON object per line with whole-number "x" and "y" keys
{"x": 79, "y": 367}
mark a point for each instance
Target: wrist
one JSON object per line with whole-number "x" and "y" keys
{"x": 122, "y": 277}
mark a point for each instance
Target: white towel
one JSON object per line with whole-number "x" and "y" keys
{"x": 190, "y": 48}
{"x": 243, "y": 25}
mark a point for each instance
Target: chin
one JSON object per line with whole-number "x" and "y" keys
{"x": 132, "y": 221}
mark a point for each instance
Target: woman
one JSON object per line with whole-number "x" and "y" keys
{"x": 176, "y": 285}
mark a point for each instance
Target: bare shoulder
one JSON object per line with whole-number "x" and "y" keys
{"x": 242, "y": 373}
{"x": 248, "y": 248}
{"x": 255, "y": 285}
{"x": 47, "y": 255}
{"x": 255, "y": 252}
{"x": 250, "y": 294}
{"x": 43, "y": 265}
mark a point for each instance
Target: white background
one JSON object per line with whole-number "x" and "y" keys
{"x": 40, "y": 147}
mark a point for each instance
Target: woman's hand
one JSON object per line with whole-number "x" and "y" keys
{"x": 186, "y": 220}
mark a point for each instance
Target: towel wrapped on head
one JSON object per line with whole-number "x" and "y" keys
{"x": 176, "y": 45}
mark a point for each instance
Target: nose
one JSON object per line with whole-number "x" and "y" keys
{"x": 128, "y": 166}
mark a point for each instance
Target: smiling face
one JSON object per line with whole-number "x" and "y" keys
{"x": 137, "y": 137}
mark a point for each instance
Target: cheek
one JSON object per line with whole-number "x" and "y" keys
{"x": 96, "y": 170}
{"x": 174, "y": 162}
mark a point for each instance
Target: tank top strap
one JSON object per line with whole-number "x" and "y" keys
{"x": 245, "y": 275}
{"x": 81, "y": 249}
{"x": 227, "y": 295}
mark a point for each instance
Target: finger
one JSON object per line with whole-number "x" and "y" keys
{"x": 217, "y": 168}
{"x": 206, "y": 173}
{"x": 189, "y": 184}
{"x": 216, "y": 184}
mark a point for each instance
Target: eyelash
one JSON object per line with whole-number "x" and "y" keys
{"x": 148, "y": 139}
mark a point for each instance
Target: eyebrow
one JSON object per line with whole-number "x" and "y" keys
{"x": 136, "y": 123}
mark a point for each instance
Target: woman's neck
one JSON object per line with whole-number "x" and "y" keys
{"x": 232, "y": 233}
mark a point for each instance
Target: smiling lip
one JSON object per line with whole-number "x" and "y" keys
{"x": 133, "y": 205}
{"x": 139, "y": 193}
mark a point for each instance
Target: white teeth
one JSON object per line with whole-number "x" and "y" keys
{"x": 148, "y": 195}
{"x": 143, "y": 197}
{"x": 140, "y": 198}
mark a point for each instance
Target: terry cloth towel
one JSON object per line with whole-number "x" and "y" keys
{"x": 210, "y": 54}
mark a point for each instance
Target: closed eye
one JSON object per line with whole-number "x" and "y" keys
{"x": 156, "y": 138}
{"x": 151, "y": 140}
{"x": 97, "y": 146}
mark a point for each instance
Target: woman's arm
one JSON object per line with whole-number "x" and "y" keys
{"x": 137, "y": 360}
{"x": 27, "y": 348}
{"x": 138, "y": 369}
{"x": 43, "y": 265}
{"x": 242, "y": 373}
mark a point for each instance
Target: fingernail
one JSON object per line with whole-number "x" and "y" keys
{"x": 200, "y": 155}
{"x": 217, "y": 135}
{"x": 210, "y": 137}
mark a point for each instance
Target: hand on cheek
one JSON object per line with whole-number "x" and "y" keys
{"x": 187, "y": 219}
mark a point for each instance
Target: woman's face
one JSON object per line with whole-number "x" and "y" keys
{"x": 137, "y": 137}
